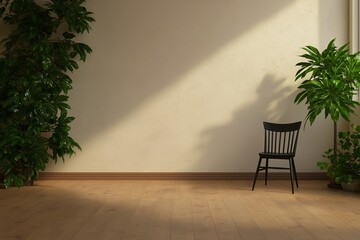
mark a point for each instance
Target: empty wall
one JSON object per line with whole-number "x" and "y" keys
{"x": 184, "y": 85}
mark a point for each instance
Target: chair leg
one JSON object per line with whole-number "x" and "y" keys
{"x": 296, "y": 180}
{"x": 256, "y": 174}
{"x": 291, "y": 175}
{"x": 266, "y": 171}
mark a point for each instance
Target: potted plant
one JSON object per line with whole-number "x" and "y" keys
{"x": 39, "y": 52}
{"x": 329, "y": 80}
{"x": 345, "y": 167}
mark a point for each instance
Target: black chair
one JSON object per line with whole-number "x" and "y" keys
{"x": 279, "y": 143}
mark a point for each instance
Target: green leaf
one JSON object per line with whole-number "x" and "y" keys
{"x": 68, "y": 35}
{"x": 327, "y": 81}
{"x": 34, "y": 126}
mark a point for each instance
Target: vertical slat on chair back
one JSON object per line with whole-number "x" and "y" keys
{"x": 281, "y": 137}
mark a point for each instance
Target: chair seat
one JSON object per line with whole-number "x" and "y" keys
{"x": 276, "y": 155}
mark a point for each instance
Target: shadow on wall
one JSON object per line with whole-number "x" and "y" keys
{"x": 236, "y": 139}
{"x": 142, "y": 47}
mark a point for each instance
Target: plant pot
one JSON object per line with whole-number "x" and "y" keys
{"x": 354, "y": 186}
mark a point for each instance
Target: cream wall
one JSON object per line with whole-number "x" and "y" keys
{"x": 183, "y": 86}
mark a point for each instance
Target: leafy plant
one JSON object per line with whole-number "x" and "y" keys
{"x": 329, "y": 80}
{"x": 346, "y": 165}
{"x": 38, "y": 55}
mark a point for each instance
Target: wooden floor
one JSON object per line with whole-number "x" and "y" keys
{"x": 178, "y": 210}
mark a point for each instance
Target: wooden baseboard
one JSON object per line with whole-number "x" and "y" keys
{"x": 174, "y": 176}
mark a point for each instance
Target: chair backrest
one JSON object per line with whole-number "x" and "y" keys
{"x": 281, "y": 138}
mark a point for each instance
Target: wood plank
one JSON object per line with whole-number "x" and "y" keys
{"x": 161, "y": 225}
{"x": 183, "y": 222}
{"x": 293, "y": 206}
{"x": 224, "y": 223}
{"x": 243, "y": 218}
{"x": 178, "y": 210}
{"x": 145, "y": 212}
{"x": 204, "y": 228}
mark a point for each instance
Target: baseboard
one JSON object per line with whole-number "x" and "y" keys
{"x": 174, "y": 176}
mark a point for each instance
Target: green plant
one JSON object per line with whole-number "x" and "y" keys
{"x": 345, "y": 166}
{"x": 330, "y": 79}
{"x": 39, "y": 52}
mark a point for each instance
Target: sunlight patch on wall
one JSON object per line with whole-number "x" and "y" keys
{"x": 172, "y": 105}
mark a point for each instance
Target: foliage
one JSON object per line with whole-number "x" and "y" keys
{"x": 330, "y": 78}
{"x": 38, "y": 55}
{"x": 346, "y": 165}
